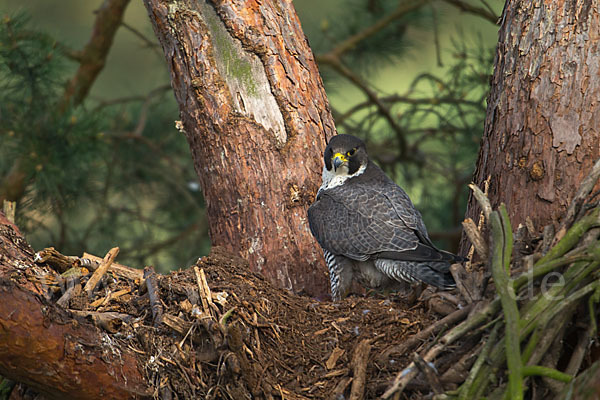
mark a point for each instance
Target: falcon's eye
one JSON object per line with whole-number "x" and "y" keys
{"x": 351, "y": 153}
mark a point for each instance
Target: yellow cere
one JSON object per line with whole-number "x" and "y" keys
{"x": 340, "y": 156}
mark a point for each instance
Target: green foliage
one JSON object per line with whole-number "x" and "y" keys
{"x": 45, "y": 144}
{"x": 374, "y": 52}
{"x": 95, "y": 177}
{"x": 6, "y": 388}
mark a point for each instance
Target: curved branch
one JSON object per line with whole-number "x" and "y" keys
{"x": 403, "y": 8}
{"x": 93, "y": 56}
{"x": 482, "y": 12}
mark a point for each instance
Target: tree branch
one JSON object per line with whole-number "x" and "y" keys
{"x": 337, "y": 65}
{"x": 482, "y": 12}
{"x": 93, "y": 56}
{"x": 403, "y": 8}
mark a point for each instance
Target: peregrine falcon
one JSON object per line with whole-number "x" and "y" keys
{"x": 369, "y": 229}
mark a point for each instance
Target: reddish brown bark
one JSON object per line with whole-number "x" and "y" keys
{"x": 256, "y": 118}
{"x": 41, "y": 345}
{"x": 541, "y": 132}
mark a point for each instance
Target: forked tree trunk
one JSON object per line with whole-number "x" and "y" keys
{"x": 256, "y": 117}
{"x": 543, "y": 119}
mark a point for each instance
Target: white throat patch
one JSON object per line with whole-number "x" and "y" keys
{"x": 333, "y": 179}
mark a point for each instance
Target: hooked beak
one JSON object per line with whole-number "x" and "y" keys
{"x": 338, "y": 160}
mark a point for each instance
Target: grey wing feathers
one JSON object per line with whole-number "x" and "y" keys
{"x": 371, "y": 222}
{"x": 434, "y": 273}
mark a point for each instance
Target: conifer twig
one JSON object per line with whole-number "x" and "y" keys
{"x": 501, "y": 250}
{"x": 465, "y": 393}
{"x": 403, "y": 8}
{"x": 584, "y": 190}
{"x": 572, "y": 236}
{"x": 538, "y": 370}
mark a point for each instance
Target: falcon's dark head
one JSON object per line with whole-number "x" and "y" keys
{"x": 345, "y": 155}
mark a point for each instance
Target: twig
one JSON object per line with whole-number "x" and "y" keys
{"x": 474, "y": 235}
{"x": 110, "y": 296}
{"x": 403, "y": 8}
{"x": 116, "y": 268}
{"x": 55, "y": 260}
{"x": 178, "y": 324}
{"x": 436, "y": 36}
{"x": 583, "y": 343}
{"x": 482, "y": 12}
{"x": 128, "y": 99}
{"x": 466, "y": 283}
{"x": 407, "y": 374}
{"x": 465, "y": 390}
{"x": 155, "y": 305}
{"x": 501, "y": 237}
{"x": 336, "y": 353}
{"x": 91, "y": 284}
{"x": 543, "y": 336}
{"x": 359, "y": 363}
{"x": 407, "y": 99}
{"x": 483, "y": 201}
{"x": 544, "y": 268}
{"x": 480, "y": 223}
{"x": 340, "y": 388}
{"x": 584, "y": 190}
{"x": 150, "y": 43}
{"x": 538, "y": 370}
{"x": 109, "y": 321}
{"x": 337, "y": 65}
{"x": 73, "y": 286}
{"x": 430, "y": 374}
{"x": 572, "y": 236}
{"x": 424, "y": 334}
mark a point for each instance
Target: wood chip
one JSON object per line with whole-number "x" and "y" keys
{"x": 337, "y": 372}
{"x": 334, "y": 357}
{"x": 116, "y": 268}
{"x": 321, "y": 331}
{"x": 91, "y": 284}
{"x": 337, "y": 327}
{"x": 204, "y": 290}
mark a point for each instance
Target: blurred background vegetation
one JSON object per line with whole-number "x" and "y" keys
{"x": 112, "y": 169}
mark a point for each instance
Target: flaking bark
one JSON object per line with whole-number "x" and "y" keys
{"x": 541, "y": 133}
{"x": 256, "y": 118}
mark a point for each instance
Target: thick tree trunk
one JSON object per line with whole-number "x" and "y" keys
{"x": 542, "y": 127}
{"x": 256, "y": 118}
{"x": 42, "y": 346}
